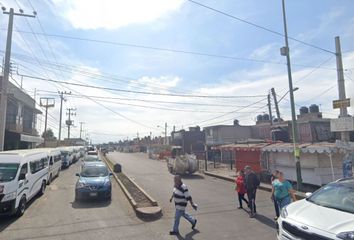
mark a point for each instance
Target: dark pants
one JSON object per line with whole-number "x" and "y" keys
{"x": 276, "y": 207}
{"x": 251, "y": 195}
{"x": 241, "y": 197}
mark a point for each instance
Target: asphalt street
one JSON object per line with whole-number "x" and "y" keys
{"x": 218, "y": 216}
{"x": 56, "y": 215}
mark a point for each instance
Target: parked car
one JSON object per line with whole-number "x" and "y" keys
{"x": 23, "y": 175}
{"x": 54, "y": 162}
{"x": 94, "y": 182}
{"x": 89, "y": 159}
{"x": 328, "y": 213}
{"x": 94, "y": 152}
{"x": 65, "y": 157}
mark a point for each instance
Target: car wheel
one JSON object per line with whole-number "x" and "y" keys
{"x": 21, "y": 207}
{"x": 41, "y": 192}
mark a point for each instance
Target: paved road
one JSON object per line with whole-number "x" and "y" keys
{"x": 55, "y": 215}
{"x": 218, "y": 216}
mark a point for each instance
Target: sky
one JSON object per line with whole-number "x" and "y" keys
{"x": 151, "y": 62}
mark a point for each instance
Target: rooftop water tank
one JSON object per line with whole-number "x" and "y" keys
{"x": 304, "y": 110}
{"x": 314, "y": 108}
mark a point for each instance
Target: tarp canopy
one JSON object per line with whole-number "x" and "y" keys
{"x": 322, "y": 147}
{"x": 242, "y": 147}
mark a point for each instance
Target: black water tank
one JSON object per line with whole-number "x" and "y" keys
{"x": 314, "y": 108}
{"x": 280, "y": 135}
{"x": 304, "y": 110}
{"x": 260, "y": 118}
{"x": 236, "y": 122}
{"x": 266, "y": 117}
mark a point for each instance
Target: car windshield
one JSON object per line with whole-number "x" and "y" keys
{"x": 91, "y": 159}
{"x": 8, "y": 171}
{"x": 337, "y": 196}
{"x": 94, "y": 171}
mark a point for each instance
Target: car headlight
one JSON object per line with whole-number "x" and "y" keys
{"x": 284, "y": 213}
{"x": 10, "y": 196}
{"x": 80, "y": 185}
{"x": 346, "y": 235}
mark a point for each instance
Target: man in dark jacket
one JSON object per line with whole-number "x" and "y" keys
{"x": 251, "y": 183}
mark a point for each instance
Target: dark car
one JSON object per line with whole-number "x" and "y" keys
{"x": 90, "y": 159}
{"x": 94, "y": 182}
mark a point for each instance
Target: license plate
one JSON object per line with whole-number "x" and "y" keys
{"x": 93, "y": 194}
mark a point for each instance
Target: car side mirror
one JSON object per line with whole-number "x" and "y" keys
{"x": 77, "y": 174}
{"x": 308, "y": 194}
{"x": 110, "y": 174}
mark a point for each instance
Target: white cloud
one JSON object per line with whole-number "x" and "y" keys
{"x": 113, "y": 14}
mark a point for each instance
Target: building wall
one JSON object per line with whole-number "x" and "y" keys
{"x": 226, "y": 134}
{"x": 315, "y": 167}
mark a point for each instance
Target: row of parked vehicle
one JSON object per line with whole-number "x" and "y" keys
{"x": 25, "y": 174}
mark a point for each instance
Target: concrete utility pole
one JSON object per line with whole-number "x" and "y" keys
{"x": 81, "y": 128}
{"x": 61, "y": 95}
{"x": 69, "y": 122}
{"x": 275, "y": 103}
{"x": 46, "y": 104}
{"x": 341, "y": 86}
{"x": 285, "y": 52}
{"x": 6, "y": 72}
{"x": 166, "y": 142}
{"x": 270, "y": 110}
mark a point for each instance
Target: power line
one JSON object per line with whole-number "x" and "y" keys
{"x": 257, "y": 26}
{"x": 146, "y": 100}
{"x": 141, "y": 92}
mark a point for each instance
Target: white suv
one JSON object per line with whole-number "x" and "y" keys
{"x": 326, "y": 214}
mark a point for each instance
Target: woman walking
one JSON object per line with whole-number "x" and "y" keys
{"x": 240, "y": 188}
{"x": 283, "y": 191}
{"x": 276, "y": 208}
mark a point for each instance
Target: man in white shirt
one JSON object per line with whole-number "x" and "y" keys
{"x": 181, "y": 196}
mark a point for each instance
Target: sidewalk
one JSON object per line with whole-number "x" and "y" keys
{"x": 229, "y": 175}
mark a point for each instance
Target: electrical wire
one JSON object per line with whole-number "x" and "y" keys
{"x": 257, "y": 26}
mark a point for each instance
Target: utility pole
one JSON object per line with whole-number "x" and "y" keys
{"x": 166, "y": 142}
{"x": 46, "y": 103}
{"x": 285, "y": 52}
{"x": 276, "y": 103}
{"x": 69, "y": 122}
{"x": 61, "y": 95}
{"x": 6, "y": 72}
{"x": 270, "y": 110}
{"x": 341, "y": 86}
{"x": 81, "y": 128}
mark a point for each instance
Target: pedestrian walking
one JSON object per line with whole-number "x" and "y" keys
{"x": 241, "y": 189}
{"x": 181, "y": 196}
{"x": 274, "y": 176}
{"x": 283, "y": 191}
{"x": 251, "y": 182}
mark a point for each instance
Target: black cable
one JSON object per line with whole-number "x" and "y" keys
{"x": 141, "y": 92}
{"x": 258, "y": 26}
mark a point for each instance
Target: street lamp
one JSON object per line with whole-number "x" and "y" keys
{"x": 285, "y": 52}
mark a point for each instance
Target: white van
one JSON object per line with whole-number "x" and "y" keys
{"x": 23, "y": 175}
{"x": 54, "y": 162}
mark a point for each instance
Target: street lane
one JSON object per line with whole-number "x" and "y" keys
{"x": 218, "y": 216}
{"x": 55, "y": 215}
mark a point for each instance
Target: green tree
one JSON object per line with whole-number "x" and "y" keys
{"x": 48, "y": 134}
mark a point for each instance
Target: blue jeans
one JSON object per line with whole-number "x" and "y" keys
{"x": 178, "y": 215}
{"x": 283, "y": 202}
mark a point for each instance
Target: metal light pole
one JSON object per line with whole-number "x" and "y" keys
{"x": 285, "y": 52}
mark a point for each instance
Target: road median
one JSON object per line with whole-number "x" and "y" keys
{"x": 143, "y": 204}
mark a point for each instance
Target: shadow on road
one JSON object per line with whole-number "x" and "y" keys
{"x": 6, "y": 221}
{"x": 265, "y": 220}
{"x": 189, "y": 236}
{"x": 90, "y": 204}
{"x": 193, "y": 176}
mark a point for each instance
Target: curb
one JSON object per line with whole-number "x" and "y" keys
{"x": 152, "y": 212}
{"x": 264, "y": 187}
